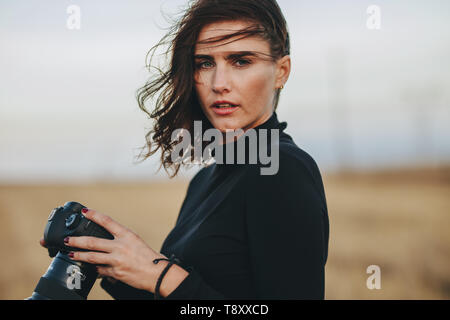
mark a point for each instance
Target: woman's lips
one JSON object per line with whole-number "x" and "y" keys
{"x": 224, "y": 111}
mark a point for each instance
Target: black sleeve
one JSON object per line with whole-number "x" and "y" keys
{"x": 287, "y": 225}
{"x": 192, "y": 287}
{"x": 122, "y": 291}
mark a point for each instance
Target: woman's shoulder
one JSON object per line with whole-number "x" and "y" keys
{"x": 294, "y": 166}
{"x": 289, "y": 162}
{"x": 293, "y": 157}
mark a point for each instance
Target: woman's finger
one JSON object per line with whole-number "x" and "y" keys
{"x": 90, "y": 243}
{"x": 91, "y": 257}
{"x": 105, "y": 221}
{"x": 42, "y": 243}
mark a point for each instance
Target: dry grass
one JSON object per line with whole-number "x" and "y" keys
{"x": 396, "y": 220}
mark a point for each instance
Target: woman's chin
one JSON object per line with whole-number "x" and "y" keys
{"x": 224, "y": 125}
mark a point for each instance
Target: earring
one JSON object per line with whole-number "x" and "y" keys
{"x": 282, "y": 86}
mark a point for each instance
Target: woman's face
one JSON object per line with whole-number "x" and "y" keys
{"x": 233, "y": 72}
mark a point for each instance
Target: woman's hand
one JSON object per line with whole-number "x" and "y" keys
{"x": 126, "y": 258}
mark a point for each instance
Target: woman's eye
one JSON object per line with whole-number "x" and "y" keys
{"x": 204, "y": 65}
{"x": 242, "y": 62}
{"x": 209, "y": 64}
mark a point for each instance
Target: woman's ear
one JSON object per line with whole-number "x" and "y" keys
{"x": 283, "y": 71}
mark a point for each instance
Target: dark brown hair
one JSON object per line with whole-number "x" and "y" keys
{"x": 177, "y": 105}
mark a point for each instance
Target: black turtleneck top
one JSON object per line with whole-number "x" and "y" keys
{"x": 245, "y": 235}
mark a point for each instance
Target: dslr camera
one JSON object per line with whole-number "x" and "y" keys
{"x": 65, "y": 278}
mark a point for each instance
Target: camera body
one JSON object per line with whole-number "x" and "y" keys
{"x": 65, "y": 278}
{"x": 68, "y": 221}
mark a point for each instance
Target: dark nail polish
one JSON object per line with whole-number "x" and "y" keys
{"x": 84, "y": 210}
{"x": 70, "y": 254}
{"x": 66, "y": 240}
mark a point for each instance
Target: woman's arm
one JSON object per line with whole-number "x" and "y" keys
{"x": 119, "y": 290}
{"x": 192, "y": 287}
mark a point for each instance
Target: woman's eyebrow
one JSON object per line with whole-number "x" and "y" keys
{"x": 231, "y": 56}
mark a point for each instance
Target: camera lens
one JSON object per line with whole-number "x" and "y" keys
{"x": 72, "y": 221}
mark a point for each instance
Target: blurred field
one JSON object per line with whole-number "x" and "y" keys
{"x": 397, "y": 220}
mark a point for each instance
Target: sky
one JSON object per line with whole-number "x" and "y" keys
{"x": 356, "y": 97}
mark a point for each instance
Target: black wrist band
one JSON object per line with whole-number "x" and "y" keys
{"x": 171, "y": 260}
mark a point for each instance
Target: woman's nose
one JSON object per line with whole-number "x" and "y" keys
{"x": 220, "y": 81}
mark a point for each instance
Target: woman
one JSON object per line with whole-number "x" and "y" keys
{"x": 240, "y": 234}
